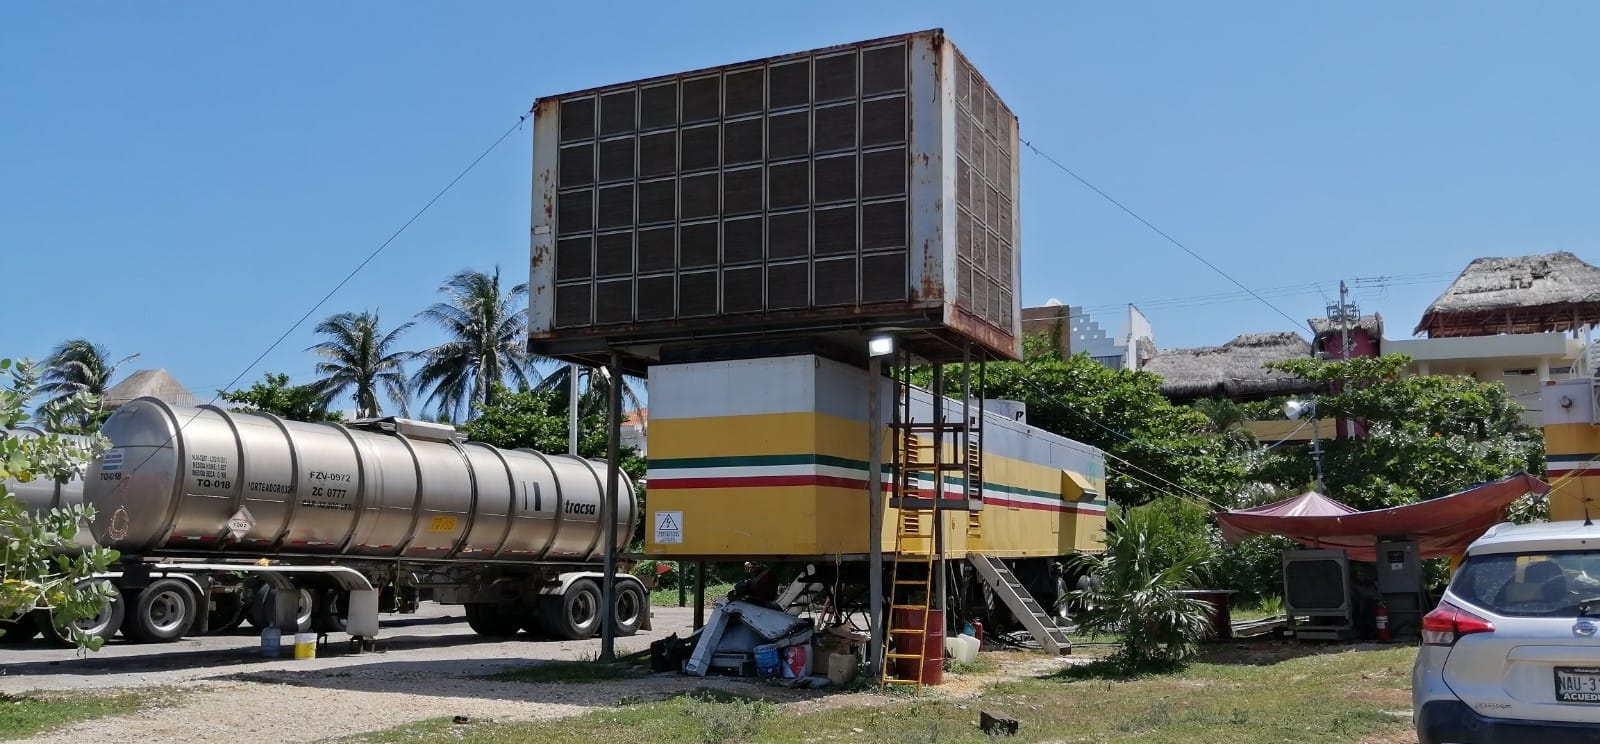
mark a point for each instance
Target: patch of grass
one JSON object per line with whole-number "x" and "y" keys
{"x": 700, "y": 716}
{"x": 669, "y": 597}
{"x": 981, "y": 665}
{"x": 25, "y": 715}
{"x": 1265, "y": 607}
{"x": 1275, "y": 693}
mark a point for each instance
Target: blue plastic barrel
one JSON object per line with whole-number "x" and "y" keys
{"x": 767, "y": 661}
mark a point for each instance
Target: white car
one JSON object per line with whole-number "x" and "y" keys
{"x": 1512, "y": 652}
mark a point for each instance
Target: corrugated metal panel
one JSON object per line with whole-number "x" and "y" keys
{"x": 811, "y": 186}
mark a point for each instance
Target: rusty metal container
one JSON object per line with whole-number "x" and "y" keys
{"x": 824, "y": 195}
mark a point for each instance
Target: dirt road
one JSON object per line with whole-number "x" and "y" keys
{"x": 427, "y": 665}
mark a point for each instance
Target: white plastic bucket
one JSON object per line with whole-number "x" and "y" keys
{"x": 305, "y": 645}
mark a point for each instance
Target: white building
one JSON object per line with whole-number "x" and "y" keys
{"x": 1080, "y": 333}
{"x": 1523, "y": 321}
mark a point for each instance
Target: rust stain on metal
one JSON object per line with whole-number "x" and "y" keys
{"x": 967, "y": 324}
{"x": 931, "y": 277}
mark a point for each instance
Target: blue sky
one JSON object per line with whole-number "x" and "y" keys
{"x": 185, "y": 180}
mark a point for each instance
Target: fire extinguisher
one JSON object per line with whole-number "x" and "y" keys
{"x": 1383, "y": 621}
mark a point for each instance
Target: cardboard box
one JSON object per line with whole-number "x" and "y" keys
{"x": 837, "y": 652}
{"x": 840, "y": 668}
{"x": 840, "y": 640}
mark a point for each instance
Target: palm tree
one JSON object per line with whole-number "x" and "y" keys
{"x": 77, "y": 366}
{"x": 1139, "y": 593}
{"x": 358, "y": 355}
{"x": 488, "y": 336}
{"x": 594, "y": 384}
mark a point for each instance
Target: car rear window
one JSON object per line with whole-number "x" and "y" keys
{"x": 1555, "y": 584}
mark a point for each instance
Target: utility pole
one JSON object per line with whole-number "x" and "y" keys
{"x": 608, "y": 512}
{"x": 1316, "y": 449}
{"x": 1345, "y": 313}
{"x": 572, "y": 408}
{"x": 875, "y": 509}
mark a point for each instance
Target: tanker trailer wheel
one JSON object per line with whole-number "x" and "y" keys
{"x": 265, "y": 604}
{"x": 577, "y": 615}
{"x": 534, "y": 620}
{"x": 492, "y": 620}
{"x": 103, "y": 623}
{"x": 629, "y": 606}
{"x": 161, "y": 612}
{"x": 332, "y": 607}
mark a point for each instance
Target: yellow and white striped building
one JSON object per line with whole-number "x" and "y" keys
{"x": 768, "y": 458}
{"x": 1572, "y": 447}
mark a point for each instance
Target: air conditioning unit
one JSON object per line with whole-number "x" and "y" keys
{"x": 1316, "y": 594}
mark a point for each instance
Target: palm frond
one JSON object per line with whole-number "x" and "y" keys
{"x": 486, "y": 328}
{"x": 358, "y": 356}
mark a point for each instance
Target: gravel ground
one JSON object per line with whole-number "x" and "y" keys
{"x": 428, "y": 666}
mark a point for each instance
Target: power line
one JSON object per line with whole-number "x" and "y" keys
{"x": 1111, "y": 455}
{"x": 346, "y": 280}
{"x": 1173, "y": 485}
{"x": 1169, "y": 238}
{"x": 1170, "y": 492}
{"x": 375, "y": 252}
{"x": 1086, "y": 417}
{"x": 1289, "y": 436}
{"x": 1287, "y": 291}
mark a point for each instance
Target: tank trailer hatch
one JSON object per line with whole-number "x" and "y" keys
{"x": 411, "y": 429}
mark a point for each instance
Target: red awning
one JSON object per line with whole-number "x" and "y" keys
{"x": 1444, "y": 526}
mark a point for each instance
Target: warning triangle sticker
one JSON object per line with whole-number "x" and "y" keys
{"x": 665, "y": 522}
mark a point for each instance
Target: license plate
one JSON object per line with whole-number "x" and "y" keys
{"x": 1578, "y": 685}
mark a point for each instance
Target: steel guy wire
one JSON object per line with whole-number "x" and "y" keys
{"x": 342, "y": 282}
{"x": 1163, "y": 234}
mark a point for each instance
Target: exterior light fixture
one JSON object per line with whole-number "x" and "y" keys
{"x": 880, "y": 346}
{"x": 1294, "y": 409}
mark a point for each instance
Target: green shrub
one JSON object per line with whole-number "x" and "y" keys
{"x": 1139, "y": 593}
{"x": 1253, "y": 567}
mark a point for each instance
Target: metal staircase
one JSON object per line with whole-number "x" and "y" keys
{"x": 1040, "y": 624}
{"x": 802, "y": 593}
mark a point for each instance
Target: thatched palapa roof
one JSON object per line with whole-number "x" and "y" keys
{"x": 1544, "y": 293}
{"x": 1233, "y": 370}
{"x": 156, "y": 383}
{"x": 1372, "y": 324}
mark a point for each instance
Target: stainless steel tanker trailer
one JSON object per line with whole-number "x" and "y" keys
{"x": 222, "y": 516}
{"x": 45, "y": 493}
{"x": 40, "y": 495}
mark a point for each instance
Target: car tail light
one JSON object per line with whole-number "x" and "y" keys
{"x": 1447, "y": 623}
